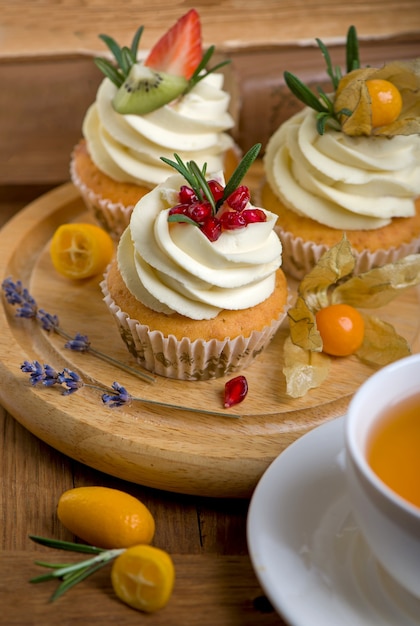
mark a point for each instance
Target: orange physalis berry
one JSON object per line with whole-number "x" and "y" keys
{"x": 386, "y": 101}
{"x": 341, "y": 328}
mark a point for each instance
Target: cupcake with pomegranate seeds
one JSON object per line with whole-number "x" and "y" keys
{"x": 170, "y": 102}
{"x": 196, "y": 287}
{"x": 349, "y": 162}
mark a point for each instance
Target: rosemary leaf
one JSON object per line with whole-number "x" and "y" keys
{"x": 114, "y": 48}
{"x": 241, "y": 170}
{"x": 204, "y": 61}
{"x": 352, "y": 50}
{"x": 180, "y": 167}
{"x": 65, "y": 545}
{"x": 52, "y": 565}
{"x": 109, "y": 70}
{"x": 302, "y": 92}
{"x": 178, "y": 217}
{"x": 327, "y": 58}
{"x": 326, "y": 100}
{"x": 127, "y": 60}
{"x": 202, "y": 183}
{"x": 199, "y": 72}
{"x": 74, "y": 580}
{"x": 136, "y": 41}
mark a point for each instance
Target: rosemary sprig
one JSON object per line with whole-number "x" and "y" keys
{"x": 352, "y": 50}
{"x": 72, "y": 573}
{"x": 322, "y": 103}
{"x": 196, "y": 178}
{"x": 125, "y": 58}
{"x": 202, "y": 71}
{"x": 242, "y": 168}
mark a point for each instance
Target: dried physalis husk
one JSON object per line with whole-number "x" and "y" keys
{"x": 381, "y": 343}
{"x": 303, "y": 369}
{"x": 352, "y": 94}
{"x": 332, "y": 281}
{"x": 380, "y": 285}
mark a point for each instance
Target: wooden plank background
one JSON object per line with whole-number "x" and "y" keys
{"x": 46, "y": 50}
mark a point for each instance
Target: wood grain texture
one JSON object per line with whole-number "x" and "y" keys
{"x": 71, "y": 25}
{"x": 208, "y": 590}
{"x": 182, "y": 450}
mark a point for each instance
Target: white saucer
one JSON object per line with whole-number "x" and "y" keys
{"x": 307, "y": 551}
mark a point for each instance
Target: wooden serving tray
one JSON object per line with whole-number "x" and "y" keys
{"x": 184, "y": 450}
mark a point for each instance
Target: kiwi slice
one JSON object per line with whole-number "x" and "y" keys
{"x": 145, "y": 90}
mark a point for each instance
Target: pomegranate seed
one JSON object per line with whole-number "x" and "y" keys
{"x": 216, "y": 189}
{"x": 187, "y": 195}
{"x": 232, "y": 220}
{"x": 179, "y": 208}
{"x": 212, "y": 228}
{"x": 199, "y": 211}
{"x": 239, "y": 198}
{"x": 235, "y": 390}
{"x": 254, "y": 215}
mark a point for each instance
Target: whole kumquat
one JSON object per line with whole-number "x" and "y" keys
{"x": 341, "y": 328}
{"x": 106, "y": 518}
{"x": 143, "y": 577}
{"x": 386, "y": 101}
{"x": 80, "y": 250}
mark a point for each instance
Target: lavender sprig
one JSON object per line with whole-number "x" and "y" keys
{"x": 113, "y": 397}
{"x": 17, "y": 294}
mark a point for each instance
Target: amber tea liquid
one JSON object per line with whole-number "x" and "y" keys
{"x": 394, "y": 448}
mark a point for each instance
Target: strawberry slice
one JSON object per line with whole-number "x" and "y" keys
{"x": 179, "y": 51}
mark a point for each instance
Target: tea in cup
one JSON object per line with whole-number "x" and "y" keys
{"x": 382, "y": 444}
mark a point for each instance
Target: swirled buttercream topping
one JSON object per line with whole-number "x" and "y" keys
{"x": 348, "y": 183}
{"x": 128, "y": 147}
{"x": 173, "y": 267}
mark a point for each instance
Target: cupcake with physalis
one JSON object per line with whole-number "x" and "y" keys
{"x": 349, "y": 162}
{"x": 144, "y": 109}
{"x": 196, "y": 287}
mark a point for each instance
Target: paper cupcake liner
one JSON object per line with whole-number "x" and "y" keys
{"x": 300, "y": 256}
{"x": 184, "y": 359}
{"x": 113, "y": 217}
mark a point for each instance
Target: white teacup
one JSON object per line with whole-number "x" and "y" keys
{"x": 389, "y": 523}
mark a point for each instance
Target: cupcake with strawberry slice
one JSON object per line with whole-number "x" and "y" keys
{"x": 172, "y": 101}
{"x": 196, "y": 288}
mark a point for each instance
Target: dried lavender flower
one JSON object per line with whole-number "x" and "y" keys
{"x": 119, "y": 398}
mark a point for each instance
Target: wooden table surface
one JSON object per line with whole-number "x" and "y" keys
{"x": 215, "y": 582}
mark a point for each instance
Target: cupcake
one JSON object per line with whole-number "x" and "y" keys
{"x": 144, "y": 110}
{"x": 348, "y": 163}
{"x": 196, "y": 287}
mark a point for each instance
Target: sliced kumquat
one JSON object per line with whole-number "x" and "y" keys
{"x": 386, "y": 101}
{"x": 341, "y": 328}
{"x": 143, "y": 577}
{"x": 106, "y": 518}
{"x": 80, "y": 250}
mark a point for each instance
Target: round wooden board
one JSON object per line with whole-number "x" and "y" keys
{"x": 184, "y": 450}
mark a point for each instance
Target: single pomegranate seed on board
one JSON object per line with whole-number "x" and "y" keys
{"x": 199, "y": 211}
{"x": 235, "y": 391}
{"x": 239, "y": 198}
{"x": 254, "y": 215}
{"x": 232, "y": 220}
{"x": 187, "y": 195}
{"x": 216, "y": 189}
{"x": 212, "y": 228}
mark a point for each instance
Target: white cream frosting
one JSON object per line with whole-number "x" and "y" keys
{"x": 128, "y": 147}
{"x": 173, "y": 267}
{"x": 343, "y": 182}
